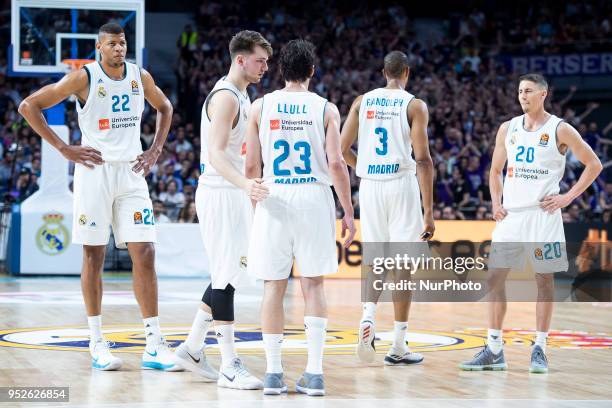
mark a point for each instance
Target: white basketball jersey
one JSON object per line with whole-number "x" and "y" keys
{"x": 385, "y": 146}
{"x": 292, "y": 136}
{"x": 535, "y": 165}
{"x": 110, "y": 118}
{"x": 235, "y": 147}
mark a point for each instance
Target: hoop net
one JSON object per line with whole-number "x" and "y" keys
{"x": 75, "y": 64}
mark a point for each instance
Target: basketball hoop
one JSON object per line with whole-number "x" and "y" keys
{"x": 75, "y": 64}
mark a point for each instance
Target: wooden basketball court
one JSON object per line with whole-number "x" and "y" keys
{"x": 43, "y": 342}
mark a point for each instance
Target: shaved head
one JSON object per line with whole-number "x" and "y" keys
{"x": 396, "y": 63}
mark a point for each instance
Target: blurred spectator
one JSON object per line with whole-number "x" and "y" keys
{"x": 484, "y": 192}
{"x": 448, "y": 213}
{"x": 5, "y": 169}
{"x": 159, "y": 212}
{"x": 189, "y": 192}
{"x": 473, "y": 173}
{"x": 147, "y": 135}
{"x": 160, "y": 187}
{"x": 187, "y": 43}
{"x": 605, "y": 197}
{"x": 606, "y": 218}
{"x": 173, "y": 200}
{"x": 461, "y": 190}
{"x": 188, "y": 214}
{"x": 181, "y": 145}
{"x": 573, "y": 213}
{"x": 25, "y": 186}
{"x": 481, "y": 213}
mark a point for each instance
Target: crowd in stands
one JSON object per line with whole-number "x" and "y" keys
{"x": 468, "y": 90}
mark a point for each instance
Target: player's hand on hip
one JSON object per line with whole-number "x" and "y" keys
{"x": 553, "y": 202}
{"x": 145, "y": 162}
{"x": 84, "y": 155}
{"x": 256, "y": 190}
{"x": 348, "y": 224}
{"x": 428, "y": 231}
{"x": 499, "y": 212}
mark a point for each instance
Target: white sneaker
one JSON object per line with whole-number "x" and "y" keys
{"x": 402, "y": 357}
{"x": 366, "y": 349}
{"x": 161, "y": 358}
{"x": 236, "y": 376}
{"x": 194, "y": 362}
{"x": 101, "y": 357}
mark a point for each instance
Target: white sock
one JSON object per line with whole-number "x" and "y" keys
{"x": 495, "y": 341}
{"x": 541, "y": 340}
{"x": 225, "y": 339}
{"x": 369, "y": 311}
{"x": 95, "y": 328}
{"x": 273, "y": 344}
{"x": 152, "y": 332}
{"x": 399, "y": 338}
{"x": 199, "y": 329}
{"x": 315, "y": 336}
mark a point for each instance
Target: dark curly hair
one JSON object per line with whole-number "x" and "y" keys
{"x": 296, "y": 60}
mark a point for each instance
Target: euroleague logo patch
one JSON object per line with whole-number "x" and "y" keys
{"x": 137, "y": 217}
{"x": 339, "y": 341}
{"x": 538, "y": 254}
{"x": 135, "y": 90}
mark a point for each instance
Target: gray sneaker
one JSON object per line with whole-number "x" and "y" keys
{"x": 539, "y": 363}
{"x": 310, "y": 384}
{"x": 485, "y": 360}
{"x": 194, "y": 362}
{"x": 274, "y": 384}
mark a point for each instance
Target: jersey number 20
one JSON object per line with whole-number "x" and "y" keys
{"x": 528, "y": 157}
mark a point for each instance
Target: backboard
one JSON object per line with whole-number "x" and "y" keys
{"x": 46, "y": 32}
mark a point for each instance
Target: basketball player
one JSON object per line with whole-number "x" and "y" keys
{"x": 529, "y": 224}
{"x": 391, "y": 123}
{"x": 224, "y": 210}
{"x": 294, "y": 135}
{"x": 109, "y": 184}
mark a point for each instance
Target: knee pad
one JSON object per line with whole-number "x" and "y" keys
{"x": 223, "y": 304}
{"x": 207, "y": 297}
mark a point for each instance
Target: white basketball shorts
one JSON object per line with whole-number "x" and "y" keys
{"x": 391, "y": 210}
{"x": 294, "y": 221}
{"x": 530, "y": 235}
{"x": 225, "y": 214}
{"x": 108, "y": 195}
